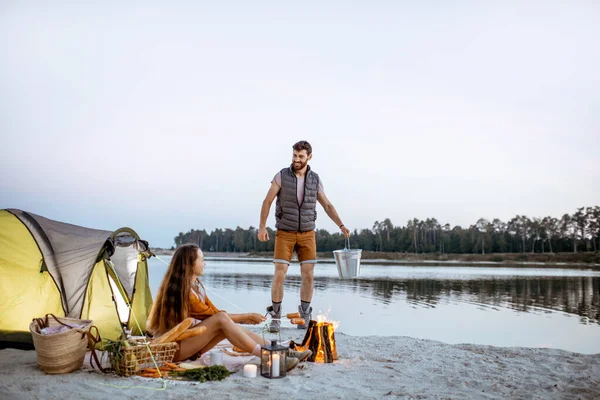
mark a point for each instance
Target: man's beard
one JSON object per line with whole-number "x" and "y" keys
{"x": 299, "y": 166}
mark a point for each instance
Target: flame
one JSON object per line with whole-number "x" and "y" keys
{"x": 322, "y": 320}
{"x": 320, "y": 357}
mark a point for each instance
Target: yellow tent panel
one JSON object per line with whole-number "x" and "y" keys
{"x": 99, "y": 305}
{"x": 25, "y": 284}
{"x": 50, "y": 267}
{"x": 141, "y": 303}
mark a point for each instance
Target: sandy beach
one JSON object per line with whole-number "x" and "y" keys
{"x": 368, "y": 368}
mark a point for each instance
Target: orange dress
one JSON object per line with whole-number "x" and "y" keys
{"x": 202, "y": 309}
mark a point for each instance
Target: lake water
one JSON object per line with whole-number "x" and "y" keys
{"x": 530, "y": 307}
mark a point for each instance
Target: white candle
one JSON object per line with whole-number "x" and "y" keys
{"x": 275, "y": 369}
{"x": 250, "y": 371}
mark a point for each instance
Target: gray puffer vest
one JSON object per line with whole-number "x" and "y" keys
{"x": 290, "y": 215}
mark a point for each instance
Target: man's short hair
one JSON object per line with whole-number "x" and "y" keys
{"x": 303, "y": 145}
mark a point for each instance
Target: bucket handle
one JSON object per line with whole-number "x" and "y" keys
{"x": 347, "y": 241}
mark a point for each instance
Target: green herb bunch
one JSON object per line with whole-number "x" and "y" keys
{"x": 212, "y": 373}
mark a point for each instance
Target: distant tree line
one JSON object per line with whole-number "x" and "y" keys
{"x": 578, "y": 232}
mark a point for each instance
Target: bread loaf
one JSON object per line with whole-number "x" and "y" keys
{"x": 177, "y": 330}
{"x": 191, "y": 333}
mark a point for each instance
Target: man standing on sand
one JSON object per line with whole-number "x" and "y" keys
{"x": 297, "y": 189}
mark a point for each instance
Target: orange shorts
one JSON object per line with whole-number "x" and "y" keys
{"x": 304, "y": 243}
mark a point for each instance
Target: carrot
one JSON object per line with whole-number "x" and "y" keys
{"x": 171, "y": 365}
{"x": 148, "y": 375}
{"x": 150, "y": 370}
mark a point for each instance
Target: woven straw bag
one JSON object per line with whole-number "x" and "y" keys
{"x": 63, "y": 352}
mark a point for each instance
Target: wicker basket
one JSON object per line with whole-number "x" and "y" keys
{"x": 137, "y": 357}
{"x": 63, "y": 352}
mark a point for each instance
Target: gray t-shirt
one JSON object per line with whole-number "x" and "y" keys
{"x": 300, "y": 187}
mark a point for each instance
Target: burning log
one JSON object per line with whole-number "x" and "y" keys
{"x": 319, "y": 338}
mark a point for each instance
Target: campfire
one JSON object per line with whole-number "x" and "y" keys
{"x": 320, "y": 339}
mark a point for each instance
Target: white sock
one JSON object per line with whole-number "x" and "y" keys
{"x": 256, "y": 352}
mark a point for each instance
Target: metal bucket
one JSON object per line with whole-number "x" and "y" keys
{"x": 348, "y": 262}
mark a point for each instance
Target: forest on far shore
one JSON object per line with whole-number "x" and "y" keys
{"x": 572, "y": 233}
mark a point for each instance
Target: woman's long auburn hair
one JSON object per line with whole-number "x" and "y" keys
{"x": 172, "y": 303}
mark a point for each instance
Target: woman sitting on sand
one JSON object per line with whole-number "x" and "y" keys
{"x": 182, "y": 295}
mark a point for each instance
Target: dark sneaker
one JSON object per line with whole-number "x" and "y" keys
{"x": 300, "y": 355}
{"x": 290, "y": 363}
{"x": 275, "y": 325}
{"x": 306, "y": 316}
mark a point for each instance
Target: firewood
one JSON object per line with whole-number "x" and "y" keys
{"x": 326, "y": 344}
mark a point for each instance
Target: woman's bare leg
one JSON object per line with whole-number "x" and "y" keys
{"x": 218, "y": 326}
{"x": 256, "y": 337}
{"x": 213, "y": 343}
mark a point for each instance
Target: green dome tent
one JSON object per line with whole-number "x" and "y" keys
{"x": 67, "y": 270}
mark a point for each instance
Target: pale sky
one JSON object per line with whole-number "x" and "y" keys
{"x": 167, "y": 116}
